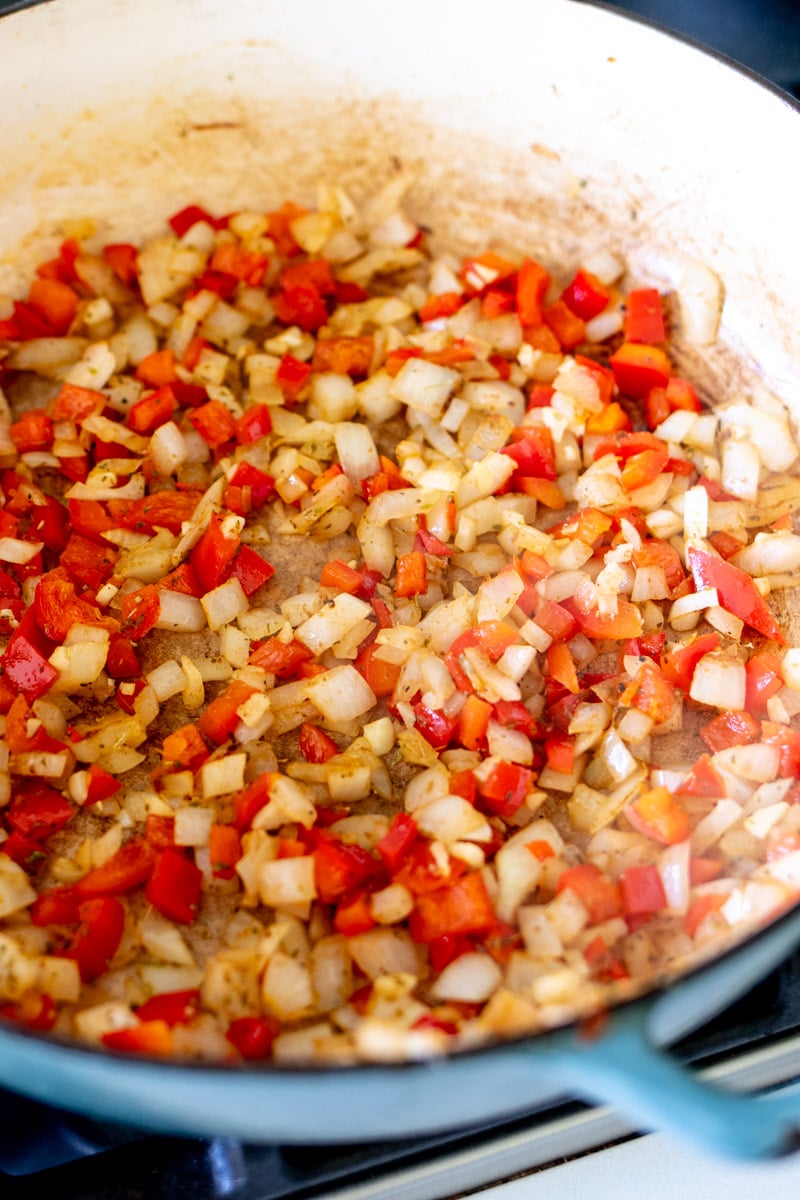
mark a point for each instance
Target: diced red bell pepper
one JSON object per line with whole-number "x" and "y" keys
{"x": 162, "y": 510}
{"x": 568, "y": 328}
{"x": 642, "y": 891}
{"x": 301, "y": 304}
{"x": 764, "y": 678}
{"x": 248, "y": 488}
{"x": 24, "y": 665}
{"x": 181, "y": 222}
{"x": 644, "y": 316}
{"x": 443, "y": 304}
{"x": 788, "y": 743}
{"x": 491, "y": 637}
{"x": 587, "y": 525}
{"x": 248, "y": 266}
{"x": 380, "y": 674}
{"x": 58, "y": 608}
{"x": 586, "y": 296}
{"x": 50, "y": 524}
{"x": 658, "y": 815}
{"x": 153, "y": 410}
{"x": 503, "y": 792}
{"x": 35, "y": 1012}
{"x": 97, "y": 938}
{"x": 344, "y": 355}
{"x": 32, "y": 431}
{"x": 55, "y": 302}
{"x": 225, "y": 850}
{"x": 315, "y": 745}
{"x": 253, "y": 1036}
{"x": 212, "y": 557}
{"x": 736, "y": 590}
{"x": 679, "y": 661}
{"x": 283, "y": 659}
{"x": 353, "y": 915}
{"x": 174, "y": 886}
{"x": 140, "y": 611}
{"x": 184, "y": 749}
{"x": 462, "y": 907}
{"x": 560, "y": 750}
{"x": 602, "y": 962}
{"x": 341, "y": 868}
{"x": 644, "y": 468}
{"x": 702, "y": 779}
{"x": 100, "y": 785}
{"x": 148, "y": 1037}
{"x": 473, "y": 722}
{"x": 88, "y": 562}
{"x": 157, "y": 369}
{"x": 599, "y": 894}
{"x": 253, "y": 425}
{"x": 560, "y": 665}
{"x": 437, "y": 729}
{"x": 412, "y": 574}
{"x": 534, "y": 452}
{"x": 122, "y": 258}
{"x": 447, "y": 948}
{"x": 159, "y": 831}
{"x": 122, "y": 662}
{"x": 214, "y": 422}
{"x": 650, "y": 693}
{"x": 219, "y": 719}
{"x": 638, "y": 368}
{"x": 532, "y": 284}
{"x": 700, "y": 908}
{"x": 174, "y": 1008}
{"x": 37, "y": 811}
{"x": 131, "y": 866}
{"x": 730, "y": 729}
{"x": 626, "y": 623}
{"x": 397, "y": 841}
{"x": 251, "y": 570}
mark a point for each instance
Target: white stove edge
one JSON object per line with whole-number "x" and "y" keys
{"x": 531, "y": 1163}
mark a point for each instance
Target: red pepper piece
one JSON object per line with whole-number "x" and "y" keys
{"x": 638, "y": 368}
{"x": 353, "y": 915}
{"x": 174, "y": 886}
{"x": 251, "y": 570}
{"x": 174, "y": 1008}
{"x": 122, "y": 258}
{"x": 33, "y": 431}
{"x": 437, "y": 729}
{"x": 505, "y": 789}
{"x": 219, "y": 719}
{"x": 644, "y": 316}
{"x": 380, "y": 674}
{"x": 149, "y": 1037}
{"x": 140, "y": 611}
{"x": 599, "y": 894}
{"x": 225, "y": 850}
{"x": 131, "y": 866}
{"x": 214, "y": 422}
{"x": 283, "y": 659}
{"x": 163, "y": 510}
{"x": 255, "y": 423}
{"x": 147, "y": 414}
{"x": 157, "y": 369}
{"x": 412, "y": 574}
{"x": 181, "y": 222}
{"x": 737, "y": 592}
{"x": 24, "y": 665}
{"x": 315, "y": 745}
{"x": 586, "y": 296}
{"x": 569, "y": 329}
{"x": 212, "y": 557}
{"x": 253, "y": 1036}
{"x": 532, "y": 284}
{"x": 97, "y": 938}
{"x": 88, "y": 562}
{"x": 462, "y": 907}
{"x": 730, "y": 729}
{"x": 37, "y": 811}
{"x": 341, "y": 868}
{"x": 397, "y": 841}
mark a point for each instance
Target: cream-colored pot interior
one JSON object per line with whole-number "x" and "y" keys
{"x": 550, "y": 127}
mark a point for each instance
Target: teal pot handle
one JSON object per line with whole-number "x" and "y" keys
{"x": 624, "y": 1066}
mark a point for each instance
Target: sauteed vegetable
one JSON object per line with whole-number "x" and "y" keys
{"x": 393, "y": 655}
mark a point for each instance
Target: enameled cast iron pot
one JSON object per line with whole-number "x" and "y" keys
{"x": 550, "y": 125}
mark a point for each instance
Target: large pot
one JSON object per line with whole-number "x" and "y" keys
{"x": 553, "y": 126}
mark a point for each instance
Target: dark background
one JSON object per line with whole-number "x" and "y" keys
{"x": 763, "y": 35}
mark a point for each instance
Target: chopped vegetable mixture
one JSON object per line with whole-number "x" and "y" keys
{"x": 391, "y": 660}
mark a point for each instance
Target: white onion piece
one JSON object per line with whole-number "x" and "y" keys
{"x": 719, "y": 682}
{"x": 180, "y": 613}
{"x": 471, "y": 978}
{"x": 224, "y": 604}
{"x": 341, "y": 694}
{"x": 356, "y": 449}
{"x": 700, "y": 298}
{"x": 673, "y": 867}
